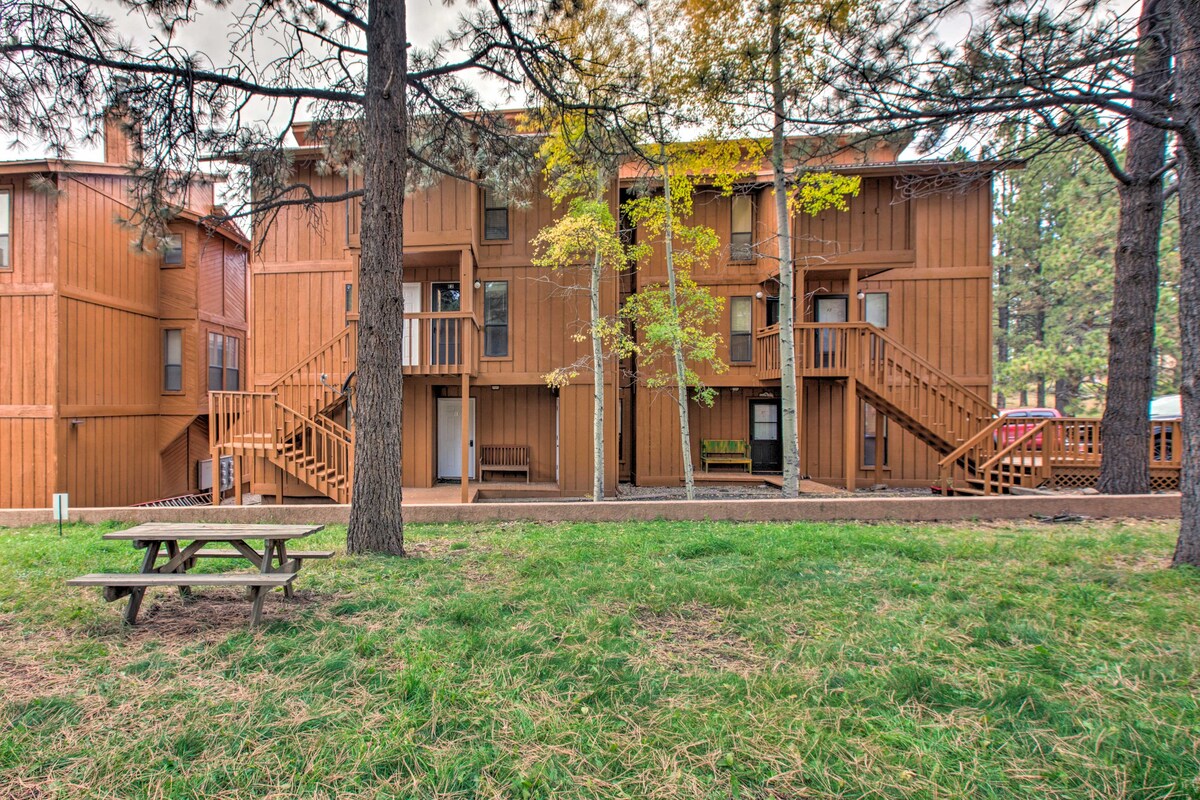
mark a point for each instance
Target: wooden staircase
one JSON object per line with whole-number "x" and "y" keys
{"x": 291, "y": 424}
{"x": 982, "y": 453}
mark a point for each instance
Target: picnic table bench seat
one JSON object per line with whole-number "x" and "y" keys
{"x": 120, "y": 584}
{"x": 725, "y": 451}
{"x": 504, "y": 458}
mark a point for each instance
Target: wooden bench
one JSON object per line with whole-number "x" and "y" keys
{"x": 504, "y": 458}
{"x": 725, "y": 451}
{"x": 118, "y": 585}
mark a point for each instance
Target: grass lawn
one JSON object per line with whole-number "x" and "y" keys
{"x": 663, "y": 660}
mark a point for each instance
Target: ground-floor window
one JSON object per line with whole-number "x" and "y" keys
{"x": 875, "y": 437}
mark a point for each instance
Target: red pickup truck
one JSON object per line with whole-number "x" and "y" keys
{"x": 1023, "y": 419}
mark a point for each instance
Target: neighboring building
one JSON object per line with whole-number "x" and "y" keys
{"x": 911, "y": 257}
{"x": 107, "y": 352}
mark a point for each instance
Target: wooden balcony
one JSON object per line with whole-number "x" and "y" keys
{"x": 823, "y": 350}
{"x": 441, "y": 343}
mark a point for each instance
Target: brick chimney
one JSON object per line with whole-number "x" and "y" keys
{"x": 122, "y": 134}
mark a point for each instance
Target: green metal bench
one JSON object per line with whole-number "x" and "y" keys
{"x": 725, "y": 451}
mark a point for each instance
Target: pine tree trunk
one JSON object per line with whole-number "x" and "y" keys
{"x": 598, "y": 408}
{"x": 376, "y": 519}
{"x": 789, "y": 419}
{"x": 1125, "y": 465}
{"x": 685, "y": 432}
{"x": 1186, "y": 39}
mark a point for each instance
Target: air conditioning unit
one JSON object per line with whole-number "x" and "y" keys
{"x": 204, "y": 478}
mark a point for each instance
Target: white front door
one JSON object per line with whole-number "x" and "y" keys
{"x": 412, "y": 327}
{"x": 449, "y": 436}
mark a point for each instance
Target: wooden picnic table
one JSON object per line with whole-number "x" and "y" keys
{"x": 276, "y": 566}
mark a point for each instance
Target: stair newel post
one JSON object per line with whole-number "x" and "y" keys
{"x": 214, "y": 434}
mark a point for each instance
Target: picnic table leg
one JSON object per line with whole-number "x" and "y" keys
{"x": 135, "y": 594}
{"x": 173, "y": 551}
{"x": 281, "y": 548}
{"x": 258, "y": 593}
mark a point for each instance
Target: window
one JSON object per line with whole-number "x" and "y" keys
{"x": 740, "y": 349}
{"x": 233, "y": 376}
{"x": 495, "y": 217}
{"x": 173, "y": 360}
{"x": 772, "y": 311}
{"x": 216, "y": 362}
{"x": 224, "y": 368}
{"x": 875, "y": 433}
{"x": 173, "y": 253}
{"x": 5, "y": 229}
{"x": 495, "y": 319}
{"x": 741, "y": 237}
{"x": 875, "y": 308}
{"x": 626, "y": 227}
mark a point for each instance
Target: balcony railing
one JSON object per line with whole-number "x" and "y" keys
{"x": 440, "y": 343}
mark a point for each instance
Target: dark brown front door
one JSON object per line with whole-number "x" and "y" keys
{"x": 766, "y": 441}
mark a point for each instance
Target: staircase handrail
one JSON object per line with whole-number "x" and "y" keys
{"x": 988, "y": 431}
{"x": 1013, "y": 445}
{"x": 298, "y": 367}
{"x": 913, "y": 356}
{"x": 329, "y": 427}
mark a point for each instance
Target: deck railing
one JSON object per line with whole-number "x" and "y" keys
{"x": 1064, "y": 452}
{"x": 241, "y": 421}
{"x": 442, "y": 343}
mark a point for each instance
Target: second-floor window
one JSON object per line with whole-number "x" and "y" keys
{"x": 495, "y": 217}
{"x": 173, "y": 360}
{"x": 495, "y": 319}
{"x": 216, "y": 362}
{"x": 875, "y": 308}
{"x": 224, "y": 371}
{"x": 233, "y": 374}
{"x": 741, "y": 236}
{"x": 740, "y": 345}
{"x": 5, "y": 229}
{"x": 173, "y": 250}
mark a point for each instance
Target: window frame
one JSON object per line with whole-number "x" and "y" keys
{"x": 237, "y": 364}
{"x": 734, "y": 256}
{"x": 880, "y": 417}
{"x": 219, "y": 339}
{"x": 166, "y": 390}
{"x": 163, "y": 263}
{"x": 887, "y": 307}
{"x": 748, "y": 333}
{"x": 9, "y": 191}
{"x": 486, "y": 195}
{"x": 507, "y": 355}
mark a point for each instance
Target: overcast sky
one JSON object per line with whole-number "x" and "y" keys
{"x": 427, "y": 20}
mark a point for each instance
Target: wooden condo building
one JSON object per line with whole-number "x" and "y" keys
{"x": 893, "y": 344}
{"x": 107, "y": 351}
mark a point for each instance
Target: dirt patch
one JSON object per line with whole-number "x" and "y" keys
{"x": 22, "y": 681}
{"x": 212, "y": 614}
{"x": 694, "y": 637}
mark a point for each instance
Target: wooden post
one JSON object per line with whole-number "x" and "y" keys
{"x": 851, "y": 431}
{"x": 855, "y": 307}
{"x": 800, "y": 440}
{"x": 279, "y": 478}
{"x": 216, "y": 476}
{"x": 466, "y": 438}
{"x": 237, "y": 479}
